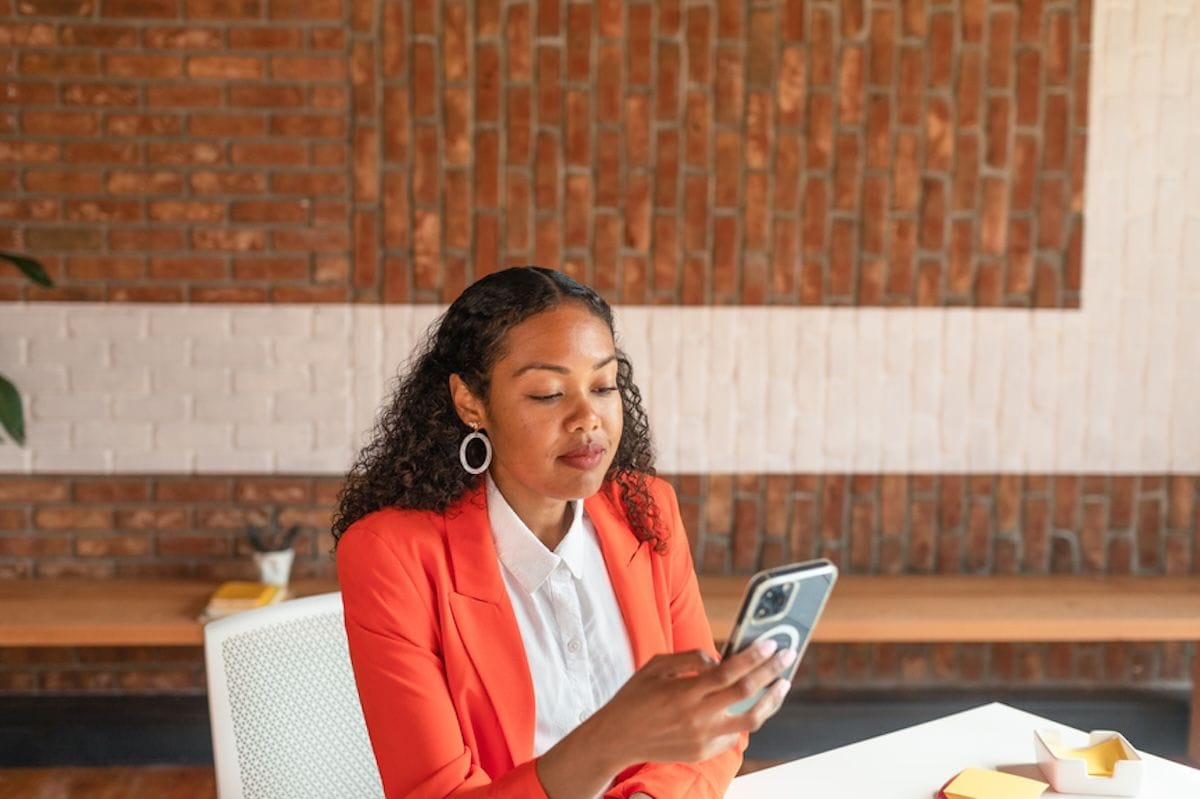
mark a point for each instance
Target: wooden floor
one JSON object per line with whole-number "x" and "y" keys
{"x": 118, "y": 782}
{"x": 139, "y": 782}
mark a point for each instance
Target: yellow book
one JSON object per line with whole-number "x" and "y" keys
{"x": 235, "y": 596}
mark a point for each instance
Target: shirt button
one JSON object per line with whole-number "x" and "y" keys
{"x": 573, "y": 645}
{"x": 583, "y": 715}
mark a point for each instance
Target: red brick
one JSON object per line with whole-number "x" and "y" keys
{"x": 487, "y": 82}
{"x": 188, "y": 268}
{"x": 724, "y": 254}
{"x": 579, "y": 33}
{"x": 395, "y": 125}
{"x": 58, "y": 64}
{"x": 183, "y": 96}
{"x": 228, "y": 239}
{"x": 193, "y": 546}
{"x": 1058, "y": 49}
{"x": 638, "y": 44}
{"x": 699, "y": 40}
{"x": 1024, "y": 174}
{"x": 882, "y": 47}
{"x": 105, "y": 268}
{"x": 308, "y": 67}
{"x": 862, "y": 523}
{"x": 329, "y": 98}
{"x": 266, "y": 38}
{"x": 754, "y": 213}
{"x": 841, "y": 259}
{"x": 606, "y": 246}
{"x": 62, "y": 180}
{"x": 933, "y": 215}
{"x": 93, "y": 94}
{"x": 225, "y": 67}
{"x": 669, "y": 81}
{"x": 815, "y": 194}
{"x": 308, "y": 125}
{"x": 143, "y": 124}
{"x": 1051, "y": 234}
{"x": 994, "y": 222}
{"x": 272, "y": 153}
{"x": 761, "y": 47}
{"x": 266, "y": 96}
{"x": 962, "y": 258}
{"x": 185, "y": 211}
{"x": 304, "y": 240}
{"x": 224, "y": 9}
{"x": 271, "y": 269}
{"x": 60, "y": 123}
{"x": 519, "y": 210}
{"x": 727, "y": 168}
{"x": 1149, "y": 533}
{"x": 998, "y": 116}
{"x": 112, "y": 546}
{"x": 821, "y": 47}
{"x": 1020, "y": 260}
{"x": 487, "y": 17}
{"x": 905, "y": 175}
{"x": 72, "y": 519}
{"x": 966, "y": 173}
{"x": 227, "y": 125}
{"x": 43, "y": 94}
{"x": 1029, "y": 64}
{"x": 240, "y": 182}
{"x": 1181, "y": 497}
{"x": 183, "y": 153}
{"x": 850, "y": 86}
{"x": 911, "y": 86}
{"x": 143, "y": 66}
{"x": 904, "y": 247}
{"x": 820, "y": 138}
{"x": 969, "y": 90}
{"x": 1054, "y": 133}
{"x": 517, "y": 44}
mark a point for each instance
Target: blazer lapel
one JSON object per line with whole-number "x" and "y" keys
{"x": 486, "y": 623}
{"x": 629, "y": 571}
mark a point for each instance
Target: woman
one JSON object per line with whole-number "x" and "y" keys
{"x": 520, "y": 602}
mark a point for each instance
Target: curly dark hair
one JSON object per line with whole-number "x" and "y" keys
{"x": 412, "y": 459}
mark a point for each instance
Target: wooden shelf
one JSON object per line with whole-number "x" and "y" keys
{"x": 862, "y": 609}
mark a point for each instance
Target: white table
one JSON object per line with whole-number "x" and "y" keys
{"x": 914, "y": 763}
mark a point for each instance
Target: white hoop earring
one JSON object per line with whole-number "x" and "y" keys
{"x": 487, "y": 450}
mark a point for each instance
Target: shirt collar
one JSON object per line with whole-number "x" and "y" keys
{"x": 520, "y": 551}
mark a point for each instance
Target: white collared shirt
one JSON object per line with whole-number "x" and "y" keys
{"x": 575, "y": 639}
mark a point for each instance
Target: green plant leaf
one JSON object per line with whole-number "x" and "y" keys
{"x": 12, "y": 415}
{"x": 32, "y": 269}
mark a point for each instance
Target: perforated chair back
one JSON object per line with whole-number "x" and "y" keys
{"x": 286, "y": 721}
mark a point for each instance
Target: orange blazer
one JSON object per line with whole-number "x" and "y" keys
{"x": 439, "y": 660}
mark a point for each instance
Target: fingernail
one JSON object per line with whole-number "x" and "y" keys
{"x": 767, "y": 648}
{"x": 784, "y": 687}
{"x": 787, "y": 657}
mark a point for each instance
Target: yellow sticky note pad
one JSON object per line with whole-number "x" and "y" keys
{"x": 982, "y": 783}
{"x": 1101, "y": 758}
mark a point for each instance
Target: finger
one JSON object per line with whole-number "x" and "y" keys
{"x": 752, "y": 681}
{"x": 738, "y": 665}
{"x": 678, "y": 664}
{"x": 768, "y": 705}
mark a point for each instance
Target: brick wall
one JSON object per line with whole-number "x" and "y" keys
{"x": 819, "y": 153}
{"x": 915, "y": 152}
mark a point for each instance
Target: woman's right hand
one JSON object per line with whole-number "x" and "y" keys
{"x": 675, "y": 708}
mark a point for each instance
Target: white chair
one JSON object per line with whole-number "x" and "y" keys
{"x": 286, "y": 721}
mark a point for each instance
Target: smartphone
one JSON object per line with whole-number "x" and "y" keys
{"x": 783, "y": 603}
